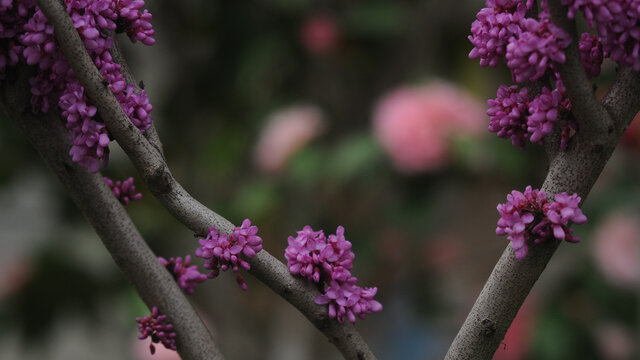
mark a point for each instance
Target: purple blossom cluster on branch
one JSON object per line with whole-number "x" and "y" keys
{"x": 187, "y": 277}
{"x": 532, "y": 47}
{"x": 27, "y": 36}
{"x": 154, "y": 326}
{"x": 223, "y": 252}
{"x": 125, "y": 191}
{"x": 328, "y": 262}
{"x": 617, "y": 24}
{"x": 530, "y": 218}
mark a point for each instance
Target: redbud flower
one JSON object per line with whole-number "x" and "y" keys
{"x": 544, "y": 112}
{"x": 492, "y": 30}
{"x": 188, "y": 277}
{"x": 346, "y": 299}
{"x": 303, "y": 253}
{"x": 529, "y": 217}
{"x": 28, "y": 37}
{"x": 125, "y": 191}
{"x": 328, "y": 261}
{"x": 507, "y": 114}
{"x": 591, "y": 53}
{"x": 539, "y": 44}
{"x": 223, "y": 252}
{"x": 153, "y": 326}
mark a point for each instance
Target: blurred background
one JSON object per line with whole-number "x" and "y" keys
{"x": 366, "y": 114}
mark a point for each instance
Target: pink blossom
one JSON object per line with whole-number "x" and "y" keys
{"x": 616, "y": 249}
{"x": 415, "y": 124}
{"x": 285, "y": 133}
{"x": 320, "y": 34}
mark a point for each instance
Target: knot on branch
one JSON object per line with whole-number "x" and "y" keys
{"x": 488, "y": 327}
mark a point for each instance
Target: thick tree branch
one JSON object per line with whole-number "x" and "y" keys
{"x": 197, "y": 217}
{"x": 104, "y": 212}
{"x": 573, "y": 171}
{"x": 587, "y": 110}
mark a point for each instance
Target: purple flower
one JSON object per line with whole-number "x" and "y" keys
{"x": 591, "y": 53}
{"x": 303, "y": 253}
{"x": 507, "y": 114}
{"x": 337, "y": 256}
{"x": 517, "y": 214}
{"x": 125, "y": 191}
{"x": 532, "y": 53}
{"x": 153, "y": 326}
{"x": 529, "y": 217}
{"x": 223, "y": 252}
{"x": 544, "y": 110}
{"x": 563, "y": 211}
{"x": 188, "y": 277}
{"x": 27, "y": 36}
{"x": 346, "y": 299}
{"x": 328, "y": 261}
{"x": 617, "y": 25}
{"x": 491, "y": 32}
{"x": 90, "y": 137}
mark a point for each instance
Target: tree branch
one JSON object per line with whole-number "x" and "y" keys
{"x": 197, "y": 217}
{"x": 622, "y": 100}
{"x": 109, "y": 219}
{"x": 573, "y": 171}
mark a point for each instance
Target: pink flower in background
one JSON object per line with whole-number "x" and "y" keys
{"x": 415, "y": 124}
{"x": 286, "y": 132}
{"x": 319, "y": 34}
{"x": 616, "y": 249}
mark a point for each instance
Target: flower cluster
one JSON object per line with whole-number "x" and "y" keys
{"x": 188, "y": 277}
{"x": 27, "y": 36}
{"x": 508, "y": 112}
{"x": 531, "y": 54}
{"x": 125, "y": 191}
{"x": 617, "y": 24}
{"x": 591, "y": 54}
{"x": 529, "y": 217}
{"x": 223, "y": 252}
{"x": 513, "y": 114}
{"x": 329, "y": 261}
{"x": 533, "y": 46}
{"x": 154, "y": 326}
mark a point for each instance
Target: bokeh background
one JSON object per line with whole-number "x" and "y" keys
{"x": 366, "y": 114}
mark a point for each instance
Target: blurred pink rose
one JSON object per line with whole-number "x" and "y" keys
{"x": 616, "y": 249}
{"x": 415, "y": 124}
{"x": 319, "y": 34}
{"x": 286, "y": 132}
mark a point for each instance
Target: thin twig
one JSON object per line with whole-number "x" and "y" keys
{"x": 195, "y": 216}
